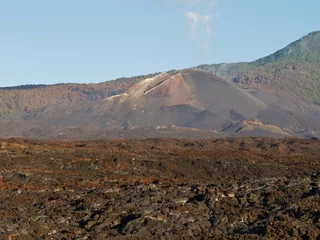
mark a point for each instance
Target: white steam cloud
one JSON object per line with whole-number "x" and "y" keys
{"x": 199, "y": 15}
{"x": 196, "y": 20}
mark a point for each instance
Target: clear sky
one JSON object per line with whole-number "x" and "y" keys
{"x": 93, "y": 41}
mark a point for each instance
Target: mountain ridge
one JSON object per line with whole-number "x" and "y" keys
{"x": 19, "y": 99}
{"x": 269, "y": 91}
{"x": 191, "y": 101}
{"x": 294, "y": 69}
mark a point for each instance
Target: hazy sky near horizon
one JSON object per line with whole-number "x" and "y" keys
{"x": 46, "y": 42}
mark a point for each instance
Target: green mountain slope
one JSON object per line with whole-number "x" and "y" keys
{"x": 294, "y": 69}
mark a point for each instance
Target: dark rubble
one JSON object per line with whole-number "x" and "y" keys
{"x": 237, "y": 188}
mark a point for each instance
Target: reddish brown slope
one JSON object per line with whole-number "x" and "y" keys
{"x": 25, "y": 98}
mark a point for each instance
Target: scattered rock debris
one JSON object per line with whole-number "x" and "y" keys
{"x": 227, "y": 189}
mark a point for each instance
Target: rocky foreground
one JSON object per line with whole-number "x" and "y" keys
{"x": 237, "y": 188}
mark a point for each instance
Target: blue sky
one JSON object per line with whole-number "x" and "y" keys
{"x": 44, "y": 42}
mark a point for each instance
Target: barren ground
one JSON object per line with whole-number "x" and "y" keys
{"x": 236, "y": 188}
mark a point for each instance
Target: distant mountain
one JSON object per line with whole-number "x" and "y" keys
{"x": 276, "y": 96}
{"x": 294, "y": 69}
{"x": 190, "y": 98}
{"x": 191, "y": 103}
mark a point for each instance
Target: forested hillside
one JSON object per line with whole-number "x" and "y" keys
{"x": 294, "y": 69}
